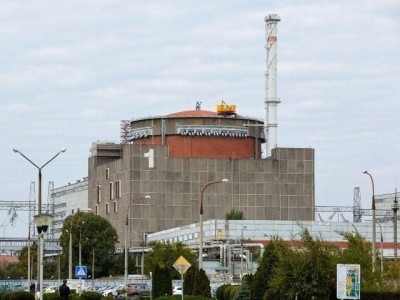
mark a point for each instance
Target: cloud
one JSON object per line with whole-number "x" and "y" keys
{"x": 71, "y": 70}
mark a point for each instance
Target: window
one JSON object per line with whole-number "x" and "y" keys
{"x": 111, "y": 190}
{"x": 115, "y": 206}
{"x": 107, "y": 208}
{"x": 118, "y": 193}
{"x": 97, "y": 210}
{"x": 108, "y": 173}
{"x": 98, "y": 194}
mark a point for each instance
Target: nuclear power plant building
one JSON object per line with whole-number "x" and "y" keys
{"x": 165, "y": 166}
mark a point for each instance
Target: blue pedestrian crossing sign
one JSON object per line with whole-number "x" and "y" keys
{"x": 80, "y": 271}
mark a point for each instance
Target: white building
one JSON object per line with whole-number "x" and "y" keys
{"x": 228, "y": 236}
{"x": 68, "y": 200}
{"x": 386, "y": 201}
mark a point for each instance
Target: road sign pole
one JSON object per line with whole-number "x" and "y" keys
{"x": 182, "y": 284}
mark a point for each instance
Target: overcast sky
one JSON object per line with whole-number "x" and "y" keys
{"x": 71, "y": 70}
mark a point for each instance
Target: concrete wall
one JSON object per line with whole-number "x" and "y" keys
{"x": 281, "y": 188}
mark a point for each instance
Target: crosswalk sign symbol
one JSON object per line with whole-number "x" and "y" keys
{"x": 80, "y": 271}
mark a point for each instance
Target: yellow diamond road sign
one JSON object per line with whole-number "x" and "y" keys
{"x": 182, "y": 265}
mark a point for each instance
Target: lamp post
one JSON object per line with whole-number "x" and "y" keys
{"x": 80, "y": 244}
{"x": 201, "y": 219}
{"x": 395, "y": 207}
{"x": 93, "y": 265}
{"x": 40, "y": 173}
{"x": 373, "y": 223}
{"x": 126, "y": 238}
{"x": 39, "y": 196}
{"x": 42, "y": 223}
{"x": 70, "y": 254}
{"x": 80, "y": 255}
{"x": 142, "y": 256}
{"x": 69, "y": 231}
{"x": 241, "y": 252}
{"x": 380, "y": 227}
{"x": 29, "y": 258}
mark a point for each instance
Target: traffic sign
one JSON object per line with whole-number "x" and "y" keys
{"x": 80, "y": 271}
{"x": 181, "y": 265}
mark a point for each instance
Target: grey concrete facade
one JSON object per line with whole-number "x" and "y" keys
{"x": 121, "y": 175}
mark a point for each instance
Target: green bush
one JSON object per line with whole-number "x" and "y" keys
{"x": 233, "y": 290}
{"x": 187, "y": 297}
{"x": 221, "y": 291}
{"x": 51, "y": 296}
{"x": 18, "y": 295}
{"x": 378, "y": 295}
{"x": 90, "y": 295}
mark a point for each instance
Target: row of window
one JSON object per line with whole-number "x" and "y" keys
{"x": 114, "y": 191}
{"x": 108, "y": 208}
{"x": 69, "y": 191}
{"x": 181, "y": 238}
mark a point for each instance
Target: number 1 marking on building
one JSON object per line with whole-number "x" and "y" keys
{"x": 150, "y": 155}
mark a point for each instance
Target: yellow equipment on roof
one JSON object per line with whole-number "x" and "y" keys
{"x": 225, "y": 109}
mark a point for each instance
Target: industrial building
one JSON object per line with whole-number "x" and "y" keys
{"x": 155, "y": 178}
{"x": 67, "y": 200}
{"x": 158, "y": 179}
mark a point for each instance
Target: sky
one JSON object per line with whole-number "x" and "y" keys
{"x": 70, "y": 71}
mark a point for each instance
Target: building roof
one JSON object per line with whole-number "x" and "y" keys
{"x": 194, "y": 113}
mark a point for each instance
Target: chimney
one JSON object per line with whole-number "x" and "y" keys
{"x": 271, "y": 100}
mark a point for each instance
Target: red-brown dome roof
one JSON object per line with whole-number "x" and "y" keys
{"x": 194, "y": 113}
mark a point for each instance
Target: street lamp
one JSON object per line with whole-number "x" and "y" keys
{"x": 126, "y": 238}
{"x": 42, "y": 223}
{"x": 40, "y": 173}
{"x": 39, "y": 197}
{"x": 373, "y": 223}
{"x": 69, "y": 252}
{"x": 142, "y": 256}
{"x": 241, "y": 253}
{"x": 80, "y": 243}
{"x": 80, "y": 255}
{"x": 395, "y": 207}
{"x": 93, "y": 244}
{"x": 380, "y": 227}
{"x": 201, "y": 220}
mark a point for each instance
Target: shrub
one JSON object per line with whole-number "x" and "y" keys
{"x": 187, "y": 297}
{"x": 51, "y": 296}
{"x": 18, "y": 295}
{"x": 221, "y": 291}
{"x": 90, "y": 295}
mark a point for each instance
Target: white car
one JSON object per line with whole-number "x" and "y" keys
{"x": 177, "y": 290}
{"x": 51, "y": 289}
{"x": 117, "y": 290}
{"x": 107, "y": 291}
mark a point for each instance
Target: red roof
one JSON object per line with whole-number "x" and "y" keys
{"x": 194, "y": 113}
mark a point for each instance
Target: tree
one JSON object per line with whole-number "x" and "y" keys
{"x": 359, "y": 252}
{"x": 234, "y": 215}
{"x": 306, "y": 271}
{"x": 267, "y": 267}
{"x": 245, "y": 291}
{"x": 95, "y": 233}
{"x": 189, "y": 278}
{"x": 202, "y": 284}
{"x": 23, "y": 259}
{"x": 165, "y": 255}
{"x": 162, "y": 282}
